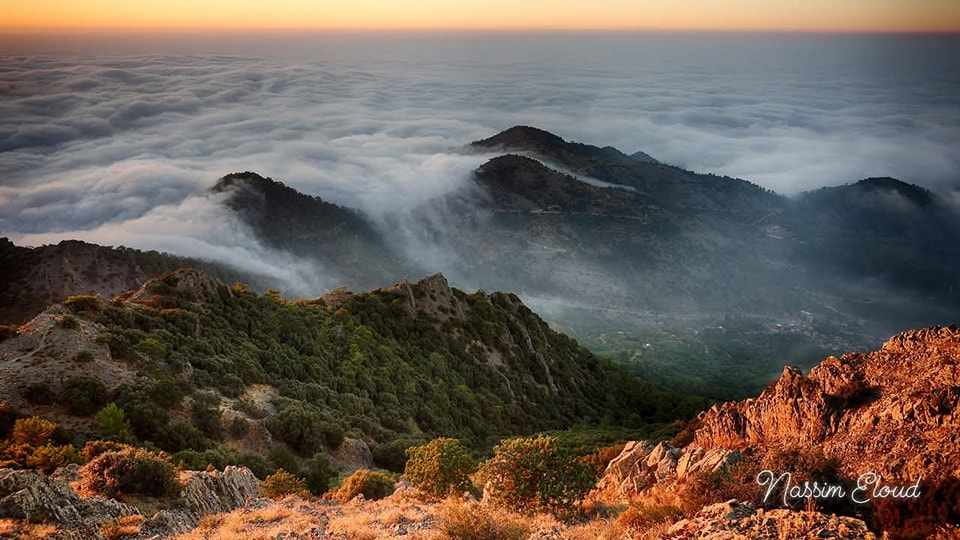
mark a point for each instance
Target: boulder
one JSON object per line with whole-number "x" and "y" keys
{"x": 352, "y": 454}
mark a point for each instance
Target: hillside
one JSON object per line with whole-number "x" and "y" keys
{"x": 33, "y": 278}
{"x": 889, "y": 412}
{"x": 197, "y": 365}
{"x": 338, "y": 241}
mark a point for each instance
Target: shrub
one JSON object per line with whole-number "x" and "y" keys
{"x": 282, "y": 458}
{"x": 281, "y": 483}
{"x": 82, "y": 302}
{"x": 206, "y": 418}
{"x": 531, "y": 474}
{"x": 303, "y": 428}
{"x": 440, "y": 467}
{"x": 392, "y": 456}
{"x": 83, "y": 357}
{"x": 84, "y": 396}
{"x": 239, "y": 427}
{"x": 472, "y": 521}
{"x": 49, "y": 458}
{"x": 69, "y": 322}
{"x": 640, "y": 517}
{"x": 166, "y": 393}
{"x": 34, "y": 431}
{"x": 94, "y": 448}
{"x": 130, "y": 471}
{"x": 371, "y": 484}
{"x": 319, "y": 473}
{"x": 39, "y": 394}
{"x": 112, "y": 423}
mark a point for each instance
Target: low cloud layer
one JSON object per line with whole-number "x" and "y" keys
{"x": 115, "y": 148}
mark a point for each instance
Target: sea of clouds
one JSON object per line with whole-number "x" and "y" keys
{"x": 116, "y": 140}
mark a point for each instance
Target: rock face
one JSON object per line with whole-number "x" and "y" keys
{"x": 27, "y": 495}
{"x": 352, "y": 454}
{"x": 735, "y": 521}
{"x": 33, "y": 496}
{"x": 204, "y": 493}
{"x": 33, "y": 278}
{"x": 895, "y": 411}
{"x": 642, "y": 464}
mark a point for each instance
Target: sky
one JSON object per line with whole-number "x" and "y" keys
{"x": 806, "y": 15}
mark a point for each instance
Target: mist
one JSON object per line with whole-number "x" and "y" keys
{"x": 116, "y": 139}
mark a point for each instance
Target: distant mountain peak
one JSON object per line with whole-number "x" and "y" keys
{"x": 913, "y": 192}
{"x": 868, "y": 188}
{"x": 522, "y": 137}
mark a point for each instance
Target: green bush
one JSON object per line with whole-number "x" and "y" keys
{"x": 83, "y": 357}
{"x": 440, "y": 467}
{"x": 319, "y": 474}
{"x": 304, "y": 429}
{"x": 371, "y": 484}
{"x": 84, "y": 396}
{"x": 392, "y": 455}
{"x": 281, "y": 483}
{"x": 206, "y": 418}
{"x": 239, "y": 427}
{"x": 112, "y": 423}
{"x": 282, "y": 458}
{"x": 130, "y": 471}
{"x": 532, "y": 474}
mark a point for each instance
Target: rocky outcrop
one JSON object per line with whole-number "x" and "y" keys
{"x": 737, "y": 521}
{"x": 352, "y": 454}
{"x": 34, "y": 496}
{"x": 895, "y": 411}
{"x": 204, "y": 493}
{"x": 642, "y": 464}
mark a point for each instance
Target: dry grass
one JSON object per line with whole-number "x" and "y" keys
{"x": 10, "y": 528}
{"x": 120, "y": 528}
{"x": 459, "y": 520}
{"x": 255, "y": 524}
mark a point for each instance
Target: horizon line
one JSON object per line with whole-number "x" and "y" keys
{"x": 66, "y": 30}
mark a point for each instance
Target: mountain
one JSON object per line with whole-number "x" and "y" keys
{"x": 706, "y": 283}
{"x": 886, "y": 416}
{"x": 187, "y": 357}
{"x": 33, "y": 278}
{"x": 340, "y": 240}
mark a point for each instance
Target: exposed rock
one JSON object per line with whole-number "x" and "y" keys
{"x": 33, "y": 496}
{"x": 739, "y": 521}
{"x": 204, "y": 493}
{"x": 352, "y": 454}
{"x": 895, "y": 411}
{"x": 642, "y": 464}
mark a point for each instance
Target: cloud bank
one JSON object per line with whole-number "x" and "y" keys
{"x": 121, "y": 147}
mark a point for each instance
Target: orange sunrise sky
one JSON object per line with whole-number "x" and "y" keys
{"x": 799, "y": 15}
